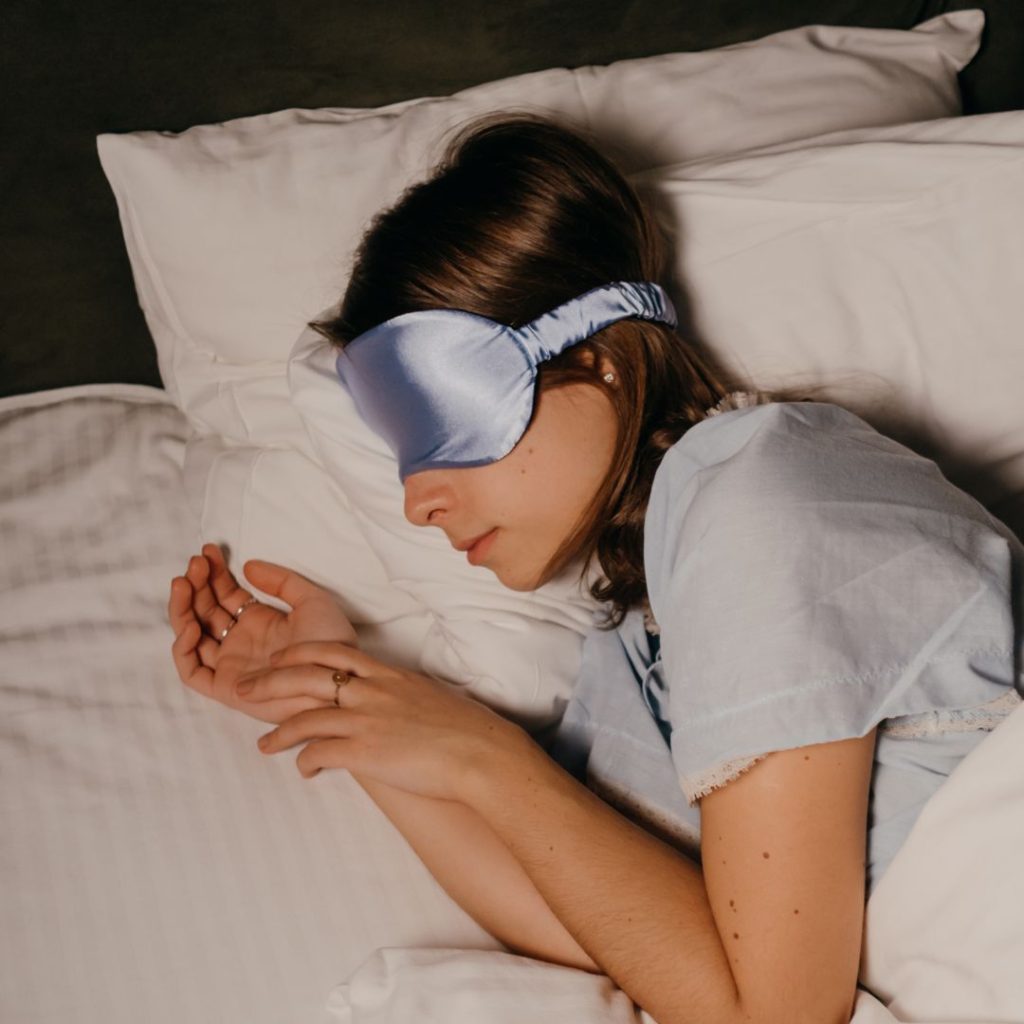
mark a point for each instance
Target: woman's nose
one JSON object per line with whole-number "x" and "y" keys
{"x": 428, "y": 497}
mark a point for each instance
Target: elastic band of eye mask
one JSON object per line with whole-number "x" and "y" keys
{"x": 446, "y": 388}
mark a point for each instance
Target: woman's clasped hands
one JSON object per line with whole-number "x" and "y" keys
{"x": 405, "y": 729}
{"x": 303, "y": 671}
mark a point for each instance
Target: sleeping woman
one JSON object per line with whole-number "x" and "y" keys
{"x": 803, "y": 626}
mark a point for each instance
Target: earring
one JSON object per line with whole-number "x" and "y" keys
{"x": 609, "y": 377}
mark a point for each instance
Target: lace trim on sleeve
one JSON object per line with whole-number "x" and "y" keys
{"x": 930, "y": 723}
{"x": 935, "y": 723}
{"x": 696, "y": 786}
{"x": 739, "y": 400}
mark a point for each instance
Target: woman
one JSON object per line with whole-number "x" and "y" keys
{"x": 808, "y": 626}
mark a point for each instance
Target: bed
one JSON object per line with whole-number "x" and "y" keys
{"x": 192, "y": 203}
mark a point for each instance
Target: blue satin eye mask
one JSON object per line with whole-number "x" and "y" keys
{"x": 446, "y": 388}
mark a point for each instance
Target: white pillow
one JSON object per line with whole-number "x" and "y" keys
{"x": 942, "y": 938}
{"x": 239, "y": 232}
{"x": 883, "y": 263}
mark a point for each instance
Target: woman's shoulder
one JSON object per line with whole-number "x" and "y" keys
{"x": 751, "y": 426}
{"x": 798, "y": 472}
{"x": 760, "y": 450}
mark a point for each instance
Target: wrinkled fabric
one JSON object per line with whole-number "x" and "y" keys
{"x": 447, "y": 388}
{"x": 810, "y": 579}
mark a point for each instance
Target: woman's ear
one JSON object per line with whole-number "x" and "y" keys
{"x": 608, "y": 371}
{"x": 588, "y": 356}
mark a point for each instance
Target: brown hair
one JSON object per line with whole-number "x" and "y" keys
{"x": 519, "y": 216}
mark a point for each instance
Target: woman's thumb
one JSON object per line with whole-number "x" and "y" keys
{"x": 278, "y": 580}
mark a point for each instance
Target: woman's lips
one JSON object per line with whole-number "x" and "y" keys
{"x": 476, "y": 553}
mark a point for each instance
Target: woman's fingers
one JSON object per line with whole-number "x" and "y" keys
{"x": 225, "y": 587}
{"x": 212, "y": 617}
{"x": 306, "y": 725}
{"x": 209, "y": 650}
{"x": 191, "y": 670}
{"x": 197, "y": 572}
{"x": 181, "y": 614}
{"x": 292, "y": 587}
{"x": 179, "y": 605}
{"x": 319, "y": 754}
{"x": 308, "y": 680}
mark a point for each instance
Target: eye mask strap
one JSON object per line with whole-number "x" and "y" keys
{"x": 583, "y": 316}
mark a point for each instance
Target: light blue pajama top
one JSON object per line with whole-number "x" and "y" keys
{"x": 809, "y": 578}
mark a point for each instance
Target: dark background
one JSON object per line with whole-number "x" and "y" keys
{"x": 71, "y": 70}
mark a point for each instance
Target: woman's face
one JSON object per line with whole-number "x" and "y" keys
{"x": 533, "y": 497}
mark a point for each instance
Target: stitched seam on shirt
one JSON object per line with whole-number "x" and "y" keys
{"x": 823, "y": 684}
{"x": 621, "y": 734}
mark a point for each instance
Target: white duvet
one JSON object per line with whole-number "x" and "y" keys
{"x": 156, "y": 868}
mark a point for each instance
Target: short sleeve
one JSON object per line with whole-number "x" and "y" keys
{"x": 813, "y": 578}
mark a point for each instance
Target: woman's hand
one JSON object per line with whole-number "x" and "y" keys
{"x": 407, "y": 730}
{"x": 204, "y": 602}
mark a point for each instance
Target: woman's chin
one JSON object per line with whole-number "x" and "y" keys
{"x": 515, "y": 581}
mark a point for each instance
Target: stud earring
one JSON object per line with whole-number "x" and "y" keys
{"x": 609, "y": 377}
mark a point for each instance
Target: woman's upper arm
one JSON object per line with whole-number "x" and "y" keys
{"x": 784, "y": 851}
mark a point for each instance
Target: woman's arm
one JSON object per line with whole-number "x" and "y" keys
{"x": 768, "y": 931}
{"x": 477, "y": 870}
{"x": 783, "y": 845}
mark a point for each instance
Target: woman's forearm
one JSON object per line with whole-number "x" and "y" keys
{"x": 477, "y": 870}
{"x": 637, "y": 906}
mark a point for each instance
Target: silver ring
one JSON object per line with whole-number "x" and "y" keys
{"x": 252, "y": 600}
{"x": 227, "y": 629}
{"x": 339, "y": 679}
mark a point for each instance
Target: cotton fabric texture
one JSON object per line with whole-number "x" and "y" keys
{"x": 809, "y": 578}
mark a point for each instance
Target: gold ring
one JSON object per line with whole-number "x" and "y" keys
{"x": 339, "y": 679}
{"x": 252, "y": 600}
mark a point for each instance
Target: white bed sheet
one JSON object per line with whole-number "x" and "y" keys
{"x": 155, "y": 866}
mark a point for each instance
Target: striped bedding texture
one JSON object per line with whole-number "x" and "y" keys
{"x": 155, "y": 866}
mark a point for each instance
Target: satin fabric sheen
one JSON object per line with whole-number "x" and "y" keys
{"x": 446, "y": 388}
